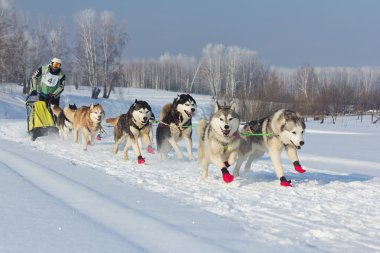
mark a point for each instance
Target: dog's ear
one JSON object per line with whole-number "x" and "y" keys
{"x": 235, "y": 107}
{"x": 92, "y": 106}
{"x": 133, "y": 105}
{"x": 217, "y": 107}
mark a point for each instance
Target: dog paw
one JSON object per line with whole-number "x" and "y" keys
{"x": 228, "y": 178}
{"x": 150, "y": 150}
{"x": 299, "y": 169}
{"x": 98, "y": 137}
{"x": 286, "y": 184}
{"x": 140, "y": 160}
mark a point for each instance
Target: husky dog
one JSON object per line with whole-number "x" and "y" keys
{"x": 282, "y": 129}
{"x": 176, "y": 124}
{"x": 133, "y": 126}
{"x": 219, "y": 140}
{"x": 88, "y": 119}
{"x": 64, "y": 118}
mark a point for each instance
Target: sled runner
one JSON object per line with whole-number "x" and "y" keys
{"x": 39, "y": 119}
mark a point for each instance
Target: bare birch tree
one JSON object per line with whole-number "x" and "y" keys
{"x": 56, "y": 39}
{"x": 112, "y": 39}
{"x": 86, "y": 53}
{"x": 212, "y": 67}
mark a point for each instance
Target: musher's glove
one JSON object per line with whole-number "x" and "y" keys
{"x": 49, "y": 97}
{"x": 33, "y": 93}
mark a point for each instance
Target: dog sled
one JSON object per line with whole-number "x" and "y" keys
{"x": 40, "y": 121}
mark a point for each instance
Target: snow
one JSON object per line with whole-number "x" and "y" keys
{"x": 55, "y": 197}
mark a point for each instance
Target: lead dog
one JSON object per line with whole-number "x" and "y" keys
{"x": 88, "y": 120}
{"x": 176, "y": 124}
{"x": 282, "y": 129}
{"x": 219, "y": 140}
{"x": 133, "y": 126}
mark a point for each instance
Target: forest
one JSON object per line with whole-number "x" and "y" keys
{"x": 95, "y": 56}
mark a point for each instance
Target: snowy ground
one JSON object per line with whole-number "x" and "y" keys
{"x": 55, "y": 197}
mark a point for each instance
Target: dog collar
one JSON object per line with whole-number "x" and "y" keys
{"x": 138, "y": 128}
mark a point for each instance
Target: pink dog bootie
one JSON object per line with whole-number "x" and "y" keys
{"x": 140, "y": 159}
{"x": 298, "y": 167}
{"x": 227, "y": 177}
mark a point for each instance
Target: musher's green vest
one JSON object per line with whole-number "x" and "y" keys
{"x": 48, "y": 83}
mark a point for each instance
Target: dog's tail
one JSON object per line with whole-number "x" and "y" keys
{"x": 164, "y": 111}
{"x": 113, "y": 121}
{"x": 69, "y": 113}
{"x": 202, "y": 124}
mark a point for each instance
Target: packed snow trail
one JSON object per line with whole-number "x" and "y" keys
{"x": 97, "y": 202}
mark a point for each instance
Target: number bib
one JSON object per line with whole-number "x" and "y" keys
{"x": 50, "y": 80}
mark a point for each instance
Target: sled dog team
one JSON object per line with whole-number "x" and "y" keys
{"x": 220, "y": 141}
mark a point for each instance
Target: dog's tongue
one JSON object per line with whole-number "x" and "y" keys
{"x": 226, "y": 133}
{"x": 189, "y": 114}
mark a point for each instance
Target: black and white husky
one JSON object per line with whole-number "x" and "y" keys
{"x": 219, "y": 140}
{"x": 282, "y": 129}
{"x": 175, "y": 124}
{"x": 133, "y": 126}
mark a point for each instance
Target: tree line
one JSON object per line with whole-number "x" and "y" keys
{"x": 224, "y": 72}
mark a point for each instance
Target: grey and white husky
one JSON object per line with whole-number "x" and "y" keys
{"x": 282, "y": 129}
{"x": 219, "y": 140}
{"x": 175, "y": 124}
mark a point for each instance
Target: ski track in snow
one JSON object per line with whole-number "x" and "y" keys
{"x": 87, "y": 201}
{"x": 323, "y": 207}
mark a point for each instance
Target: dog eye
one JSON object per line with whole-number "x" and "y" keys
{"x": 221, "y": 119}
{"x": 230, "y": 119}
{"x": 294, "y": 132}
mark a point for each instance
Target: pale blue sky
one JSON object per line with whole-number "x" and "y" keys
{"x": 284, "y": 32}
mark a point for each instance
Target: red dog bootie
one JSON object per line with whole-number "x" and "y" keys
{"x": 227, "y": 177}
{"x": 298, "y": 167}
{"x": 285, "y": 182}
{"x": 88, "y": 142}
{"x": 98, "y": 137}
{"x": 150, "y": 149}
{"x": 140, "y": 159}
